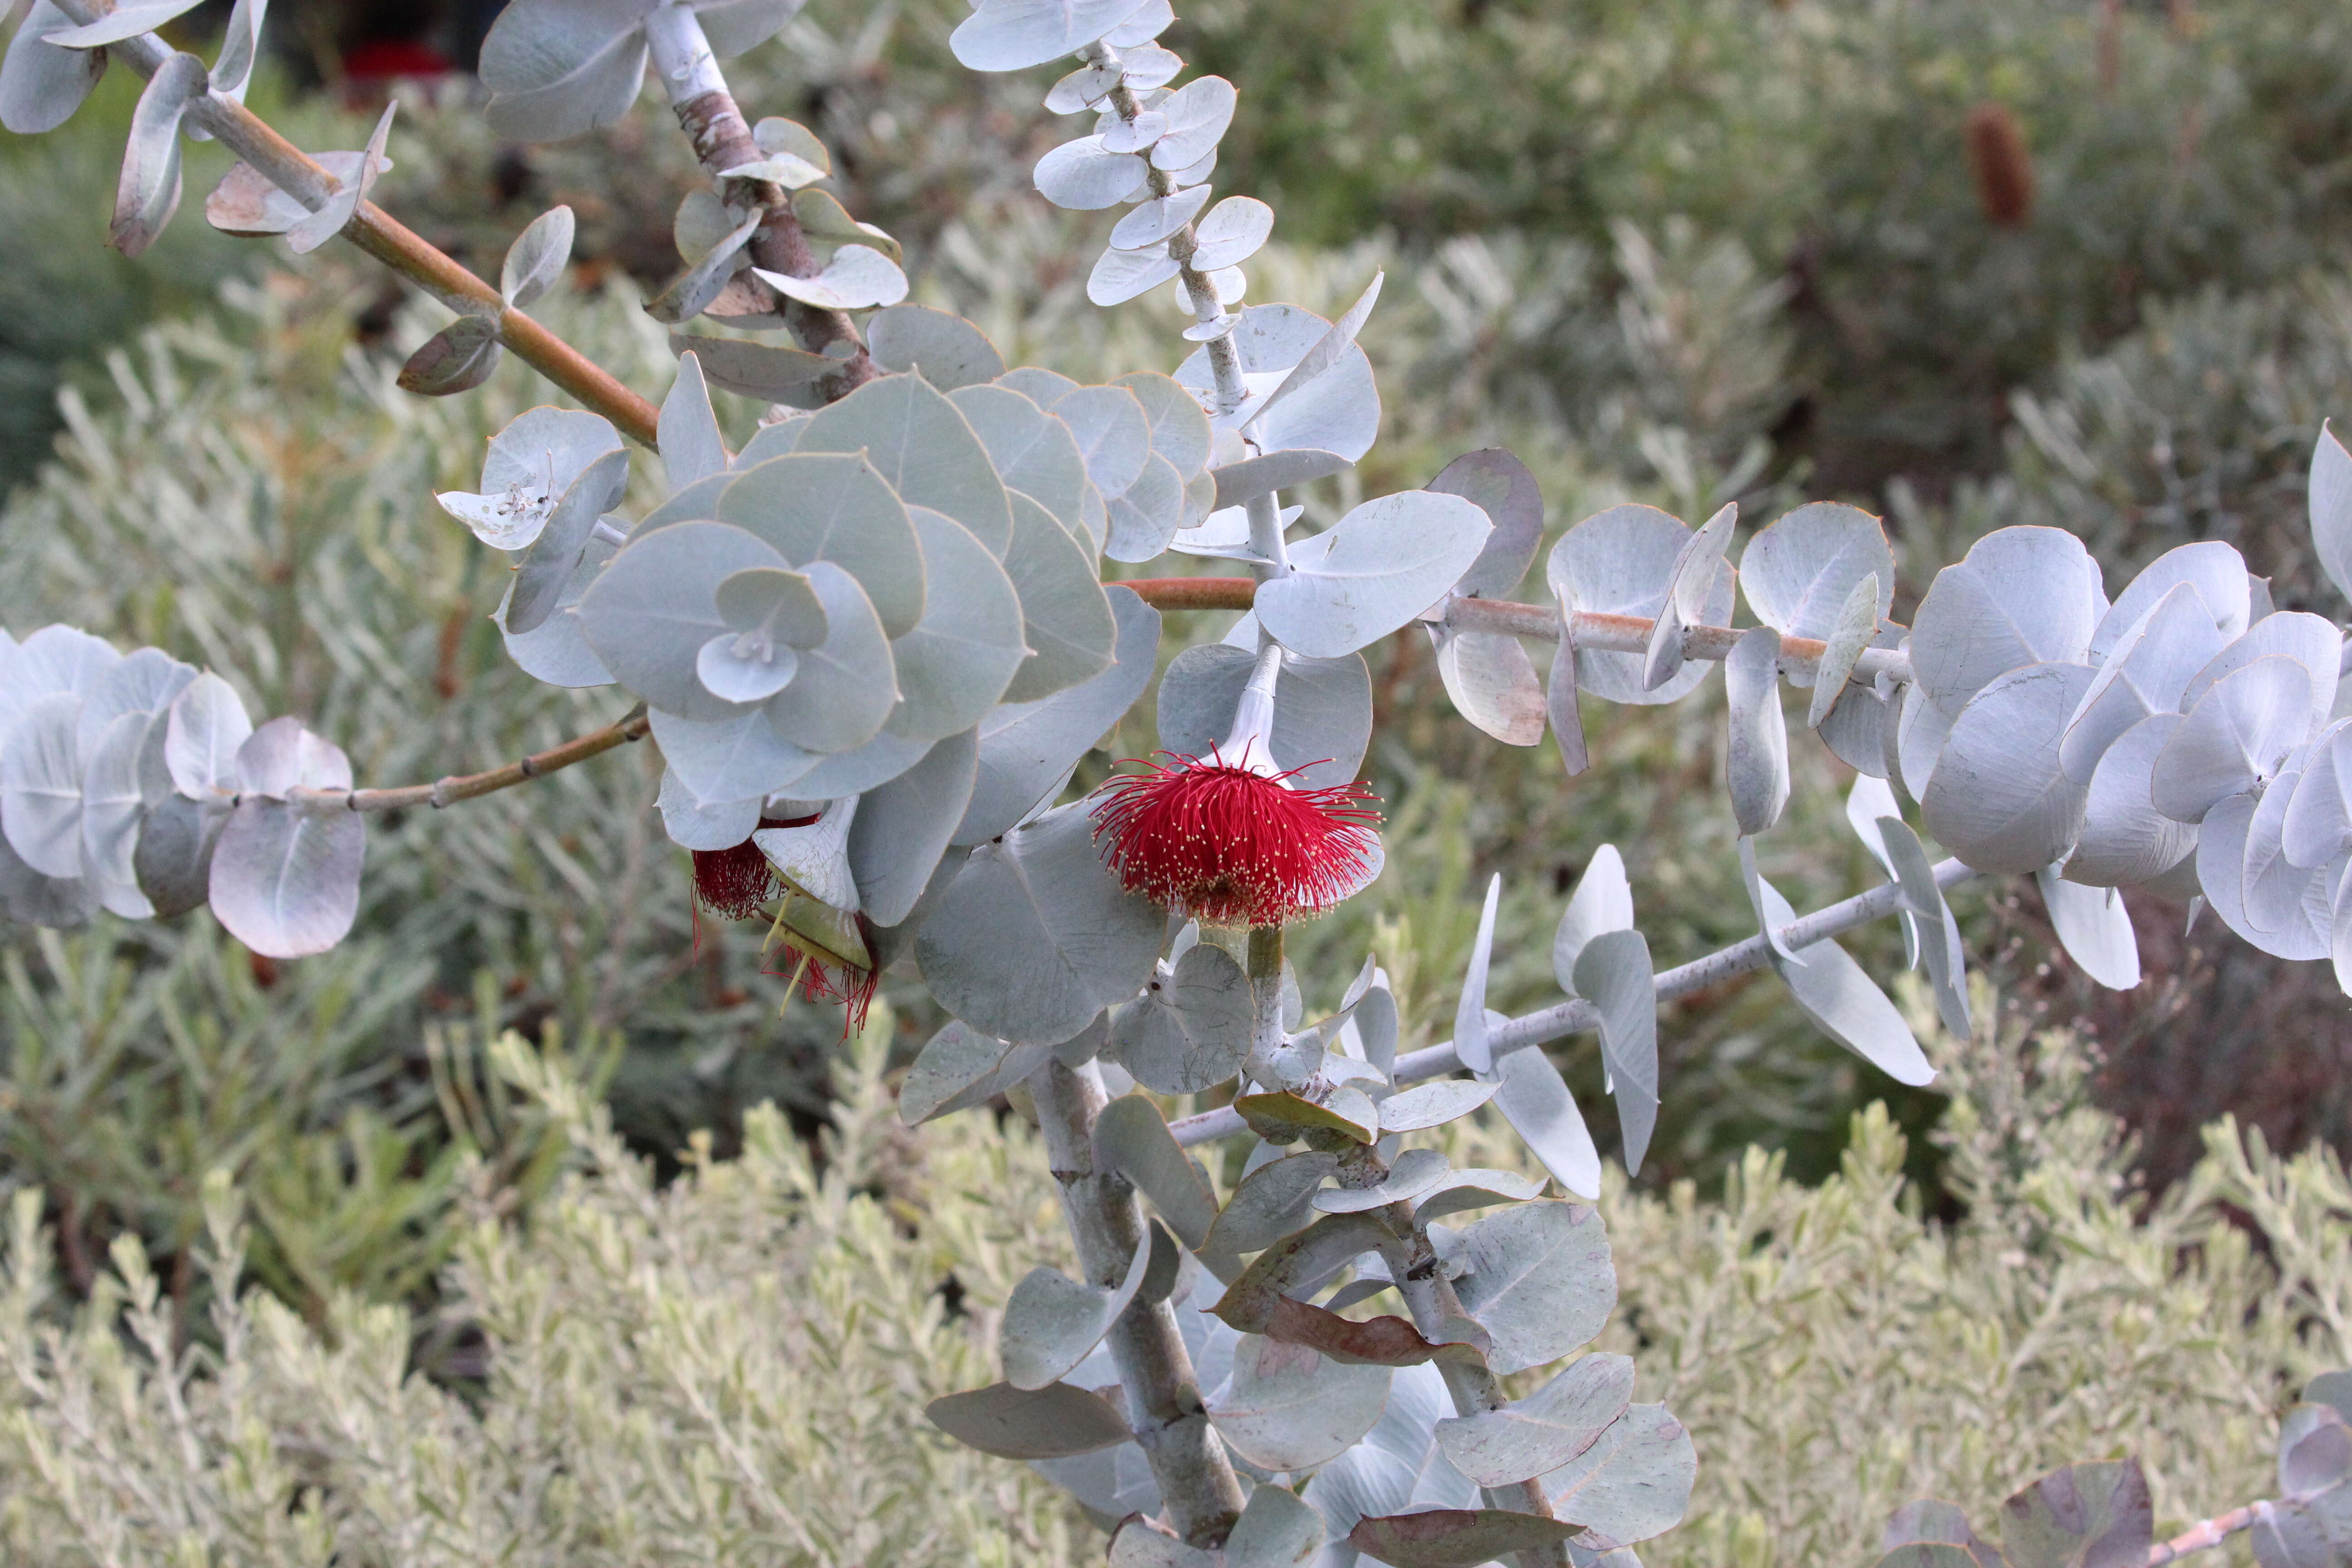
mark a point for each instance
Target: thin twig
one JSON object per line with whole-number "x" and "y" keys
{"x": 2209, "y": 1534}
{"x": 634, "y": 726}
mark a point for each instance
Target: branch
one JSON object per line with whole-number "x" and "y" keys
{"x": 1575, "y": 1018}
{"x": 374, "y": 230}
{"x": 467, "y": 787}
{"x": 1470, "y": 1382}
{"x": 2206, "y": 1535}
{"x": 1595, "y": 631}
{"x": 708, "y": 113}
{"x": 1164, "y": 1408}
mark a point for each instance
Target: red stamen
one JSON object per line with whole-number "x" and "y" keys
{"x": 1231, "y": 846}
{"x": 735, "y": 883}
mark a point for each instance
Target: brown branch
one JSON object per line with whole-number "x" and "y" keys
{"x": 1194, "y": 593}
{"x": 467, "y": 787}
{"x": 723, "y": 141}
{"x": 2206, "y": 1535}
{"x": 387, "y": 239}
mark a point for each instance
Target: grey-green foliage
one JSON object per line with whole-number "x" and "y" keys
{"x": 725, "y": 1369}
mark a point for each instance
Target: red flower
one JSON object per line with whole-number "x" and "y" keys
{"x": 1233, "y": 845}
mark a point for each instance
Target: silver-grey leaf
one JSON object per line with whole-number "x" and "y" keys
{"x": 1799, "y": 572}
{"x": 1544, "y": 1431}
{"x": 1756, "y": 762}
{"x": 1617, "y": 562}
{"x": 917, "y": 441}
{"x": 1065, "y": 615}
{"x": 1271, "y": 1202}
{"x": 1034, "y": 454}
{"x": 769, "y": 372}
{"x": 1634, "y": 1482}
{"x": 736, "y": 757}
{"x": 546, "y": 568}
{"x": 1189, "y": 1030}
{"x": 1937, "y": 933}
{"x": 173, "y": 859}
{"x": 124, "y": 21}
{"x": 1998, "y": 799}
{"x": 1276, "y": 1530}
{"x": 1085, "y": 176}
{"x": 40, "y": 786}
{"x": 1051, "y": 1320}
{"x": 1613, "y": 971}
{"x": 2149, "y": 665}
{"x": 2022, "y": 596}
{"x": 1470, "y": 1045}
{"x": 960, "y": 657}
{"x": 1833, "y": 992}
{"x": 1014, "y": 34}
{"x": 330, "y": 220}
{"x": 2234, "y": 736}
{"x": 458, "y": 358}
{"x": 1035, "y": 936}
{"x": 1539, "y": 1279}
{"x": 1499, "y": 485}
{"x": 1536, "y": 1101}
{"x": 285, "y": 881}
{"x": 2213, "y": 568}
{"x": 537, "y": 257}
{"x": 1387, "y": 560}
{"x": 1322, "y": 709}
{"x": 1857, "y": 626}
{"x": 2310, "y": 640}
{"x": 687, "y": 432}
{"x": 149, "y": 192}
{"x": 1603, "y": 901}
{"x": 1028, "y": 748}
{"x": 556, "y": 68}
{"x": 2095, "y": 928}
{"x": 42, "y": 83}
{"x": 961, "y": 1066}
{"x": 1492, "y": 683}
{"x": 2124, "y": 839}
{"x": 656, "y": 605}
{"x": 2330, "y": 506}
{"x": 902, "y": 827}
{"x": 1290, "y": 1409}
{"x": 946, "y": 350}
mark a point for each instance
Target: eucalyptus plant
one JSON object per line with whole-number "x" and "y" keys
{"x": 874, "y": 645}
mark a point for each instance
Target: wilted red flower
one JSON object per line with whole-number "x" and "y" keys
{"x": 1234, "y": 845}
{"x": 739, "y": 883}
{"x": 821, "y": 977}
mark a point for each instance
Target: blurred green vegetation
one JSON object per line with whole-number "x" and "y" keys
{"x": 1680, "y": 252}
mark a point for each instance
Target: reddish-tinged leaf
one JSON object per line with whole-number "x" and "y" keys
{"x": 1454, "y": 1537}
